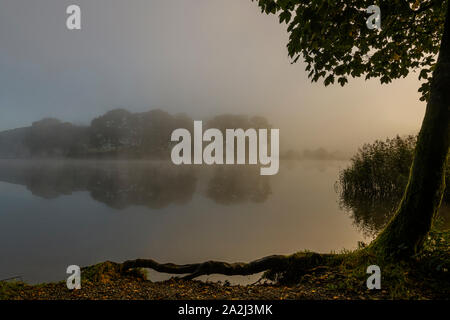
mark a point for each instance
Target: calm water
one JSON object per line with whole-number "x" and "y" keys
{"x": 57, "y": 213}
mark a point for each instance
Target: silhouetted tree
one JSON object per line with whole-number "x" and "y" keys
{"x": 238, "y": 121}
{"x": 113, "y": 130}
{"x": 51, "y": 137}
{"x": 332, "y": 38}
{"x": 147, "y": 133}
{"x": 156, "y": 127}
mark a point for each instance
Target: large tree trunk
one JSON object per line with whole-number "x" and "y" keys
{"x": 405, "y": 233}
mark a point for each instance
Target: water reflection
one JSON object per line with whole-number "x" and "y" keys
{"x": 158, "y": 184}
{"x": 371, "y": 215}
{"x": 154, "y": 187}
{"x": 117, "y": 184}
{"x": 101, "y": 210}
{"x": 235, "y": 185}
{"x": 120, "y": 184}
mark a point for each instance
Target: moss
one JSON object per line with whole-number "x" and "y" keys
{"x": 341, "y": 275}
{"x": 108, "y": 271}
{"x": 424, "y": 276}
{"x": 11, "y": 290}
{"x": 406, "y": 232}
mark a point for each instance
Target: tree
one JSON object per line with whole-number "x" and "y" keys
{"x": 155, "y": 128}
{"x": 50, "y": 137}
{"x": 146, "y": 133}
{"x": 239, "y": 121}
{"x": 332, "y": 38}
{"x": 113, "y": 130}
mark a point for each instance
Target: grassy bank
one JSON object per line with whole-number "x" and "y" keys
{"x": 343, "y": 276}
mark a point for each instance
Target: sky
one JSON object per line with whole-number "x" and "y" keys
{"x": 199, "y": 57}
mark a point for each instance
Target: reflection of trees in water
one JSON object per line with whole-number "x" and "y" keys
{"x": 43, "y": 180}
{"x": 372, "y": 215}
{"x": 238, "y": 184}
{"x": 50, "y": 183}
{"x": 369, "y": 215}
{"x": 372, "y": 186}
{"x": 122, "y": 184}
{"x": 154, "y": 187}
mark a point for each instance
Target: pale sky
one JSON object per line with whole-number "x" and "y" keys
{"x": 200, "y": 57}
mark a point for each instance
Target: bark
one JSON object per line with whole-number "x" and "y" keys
{"x": 301, "y": 262}
{"x": 406, "y": 232}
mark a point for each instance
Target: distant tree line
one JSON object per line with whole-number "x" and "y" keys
{"x": 117, "y": 133}
{"x": 316, "y": 154}
{"x": 146, "y": 133}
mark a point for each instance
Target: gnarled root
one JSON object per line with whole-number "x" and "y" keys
{"x": 300, "y": 262}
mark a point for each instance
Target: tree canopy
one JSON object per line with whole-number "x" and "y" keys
{"x": 335, "y": 43}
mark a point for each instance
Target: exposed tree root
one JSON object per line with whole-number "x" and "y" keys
{"x": 301, "y": 262}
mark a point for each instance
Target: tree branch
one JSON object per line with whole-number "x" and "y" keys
{"x": 302, "y": 261}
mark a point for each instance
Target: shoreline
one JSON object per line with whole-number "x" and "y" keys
{"x": 422, "y": 278}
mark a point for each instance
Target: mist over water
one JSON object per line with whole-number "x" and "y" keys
{"x": 61, "y": 212}
{"x": 203, "y": 58}
{"x": 82, "y": 185}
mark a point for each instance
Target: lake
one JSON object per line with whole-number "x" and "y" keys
{"x": 58, "y": 213}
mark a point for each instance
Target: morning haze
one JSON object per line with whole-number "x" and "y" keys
{"x": 201, "y": 58}
{"x": 106, "y": 150}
